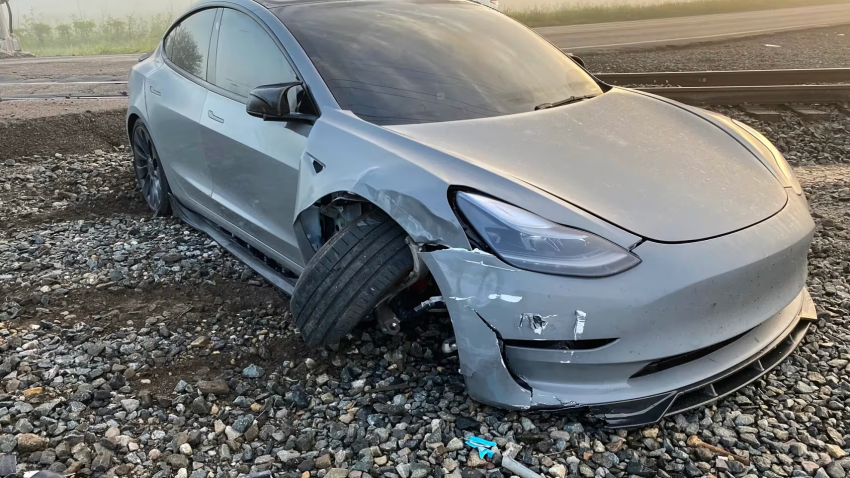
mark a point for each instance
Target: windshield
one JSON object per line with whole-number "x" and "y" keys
{"x": 414, "y": 61}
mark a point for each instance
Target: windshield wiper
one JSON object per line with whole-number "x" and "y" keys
{"x": 570, "y": 100}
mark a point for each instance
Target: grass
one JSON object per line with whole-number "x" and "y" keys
{"x": 581, "y": 13}
{"x": 79, "y": 36}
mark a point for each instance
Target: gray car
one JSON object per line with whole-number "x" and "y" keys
{"x": 597, "y": 248}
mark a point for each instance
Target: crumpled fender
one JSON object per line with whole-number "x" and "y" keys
{"x": 414, "y": 194}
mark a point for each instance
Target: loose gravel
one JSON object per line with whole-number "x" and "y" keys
{"x": 815, "y": 48}
{"x": 132, "y": 345}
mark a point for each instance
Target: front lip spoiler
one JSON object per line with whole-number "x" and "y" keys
{"x": 646, "y": 411}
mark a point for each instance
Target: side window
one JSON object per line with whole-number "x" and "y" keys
{"x": 247, "y": 56}
{"x": 188, "y": 45}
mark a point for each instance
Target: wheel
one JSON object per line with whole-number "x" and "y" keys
{"x": 149, "y": 172}
{"x": 348, "y": 276}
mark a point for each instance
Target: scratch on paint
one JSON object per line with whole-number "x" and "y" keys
{"x": 535, "y": 321}
{"x": 460, "y": 298}
{"x": 507, "y": 298}
{"x": 481, "y": 263}
{"x": 579, "y": 329}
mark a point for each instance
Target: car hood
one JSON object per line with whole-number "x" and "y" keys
{"x": 652, "y": 168}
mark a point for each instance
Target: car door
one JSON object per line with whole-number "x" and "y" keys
{"x": 175, "y": 98}
{"x": 254, "y": 163}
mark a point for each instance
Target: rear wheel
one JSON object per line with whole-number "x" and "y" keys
{"x": 149, "y": 173}
{"x": 347, "y": 278}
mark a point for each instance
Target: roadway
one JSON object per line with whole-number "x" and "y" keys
{"x": 684, "y": 30}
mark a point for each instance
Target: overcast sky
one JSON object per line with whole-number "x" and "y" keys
{"x": 61, "y": 10}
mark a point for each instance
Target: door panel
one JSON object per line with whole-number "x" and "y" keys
{"x": 175, "y": 102}
{"x": 254, "y": 165}
{"x": 174, "y": 108}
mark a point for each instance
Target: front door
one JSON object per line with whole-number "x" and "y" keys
{"x": 254, "y": 163}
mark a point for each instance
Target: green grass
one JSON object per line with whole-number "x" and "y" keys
{"x": 580, "y": 13}
{"x": 87, "y": 37}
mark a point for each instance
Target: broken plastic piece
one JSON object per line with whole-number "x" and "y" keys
{"x": 450, "y": 346}
{"x": 518, "y": 468}
{"x": 425, "y": 305}
{"x": 483, "y": 446}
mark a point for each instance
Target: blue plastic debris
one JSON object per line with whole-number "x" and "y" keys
{"x": 483, "y": 446}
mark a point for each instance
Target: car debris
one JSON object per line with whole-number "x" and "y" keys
{"x": 483, "y": 446}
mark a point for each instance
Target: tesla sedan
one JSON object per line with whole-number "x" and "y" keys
{"x": 596, "y": 248}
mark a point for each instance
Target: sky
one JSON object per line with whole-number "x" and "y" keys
{"x": 53, "y": 11}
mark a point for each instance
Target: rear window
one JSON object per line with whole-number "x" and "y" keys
{"x": 415, "y": 61}
{"x": 188, "y": 44}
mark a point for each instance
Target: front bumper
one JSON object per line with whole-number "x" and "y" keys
{"x": 690, "y": 324}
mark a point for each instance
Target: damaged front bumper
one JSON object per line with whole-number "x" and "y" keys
{"x": 692, "y": 323}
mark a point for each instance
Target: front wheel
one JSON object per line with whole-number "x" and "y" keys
{"x": 347, "y": 278}
{"x": 149, "y": 172}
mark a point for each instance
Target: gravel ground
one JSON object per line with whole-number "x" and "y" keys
{"x": 816, "y": 48}
{"x": 135, "y": 346}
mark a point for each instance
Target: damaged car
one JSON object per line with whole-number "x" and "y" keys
{"x": 596, "y": 248}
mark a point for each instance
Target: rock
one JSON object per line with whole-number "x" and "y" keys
{"x": 200, "y": 406}
{"x": 337, "y": 473}
{"x": 177, "y": 461}
{"x": 130, "y": 405}
{"x": 29, "y": 442}
{"x": 200, "y": 342}
{"x": 253, "y": 371}
{"x": 216, "y": 387}
{"x": 243, "y": 422}
{"x": 835, "y": 451}
{"x": 558, "y": 471}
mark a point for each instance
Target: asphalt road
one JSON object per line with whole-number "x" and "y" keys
{"x": 683, "y": 30}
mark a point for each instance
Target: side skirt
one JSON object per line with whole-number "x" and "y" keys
{"x": 234, "y": 246}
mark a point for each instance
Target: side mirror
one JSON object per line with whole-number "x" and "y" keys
{"x": 271, "y": 103}
{"x": 577, "y": 60}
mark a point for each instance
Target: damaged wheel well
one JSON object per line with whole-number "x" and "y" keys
{"x": 320, "y": 222}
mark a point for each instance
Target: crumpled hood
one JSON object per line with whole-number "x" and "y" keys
{"x": 649, "y": 167}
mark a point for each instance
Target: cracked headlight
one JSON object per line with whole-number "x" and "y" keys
{"x": 527, "y": 241}
{"x": 782, "y": 165}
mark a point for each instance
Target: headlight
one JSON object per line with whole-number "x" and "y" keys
{"x": 527, "y": 241}
{"x": 782, "y": 165}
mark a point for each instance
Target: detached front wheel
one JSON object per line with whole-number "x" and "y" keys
{"x": 149, "y": 172}
{"x": 346, "y": 279}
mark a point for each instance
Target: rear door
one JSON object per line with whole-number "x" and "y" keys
{"x": 175, "y": 98}
{"x": 254, "y": 163}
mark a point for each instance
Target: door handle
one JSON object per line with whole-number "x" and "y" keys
{"x": 214, "y": 117}
{"x": 157, "y": 93}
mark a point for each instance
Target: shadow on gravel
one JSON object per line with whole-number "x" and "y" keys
{"x": 127, "y": 204}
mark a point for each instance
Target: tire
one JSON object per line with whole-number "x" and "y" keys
{"x": 348, "y": 276}
{"x": 148, "y": 170}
